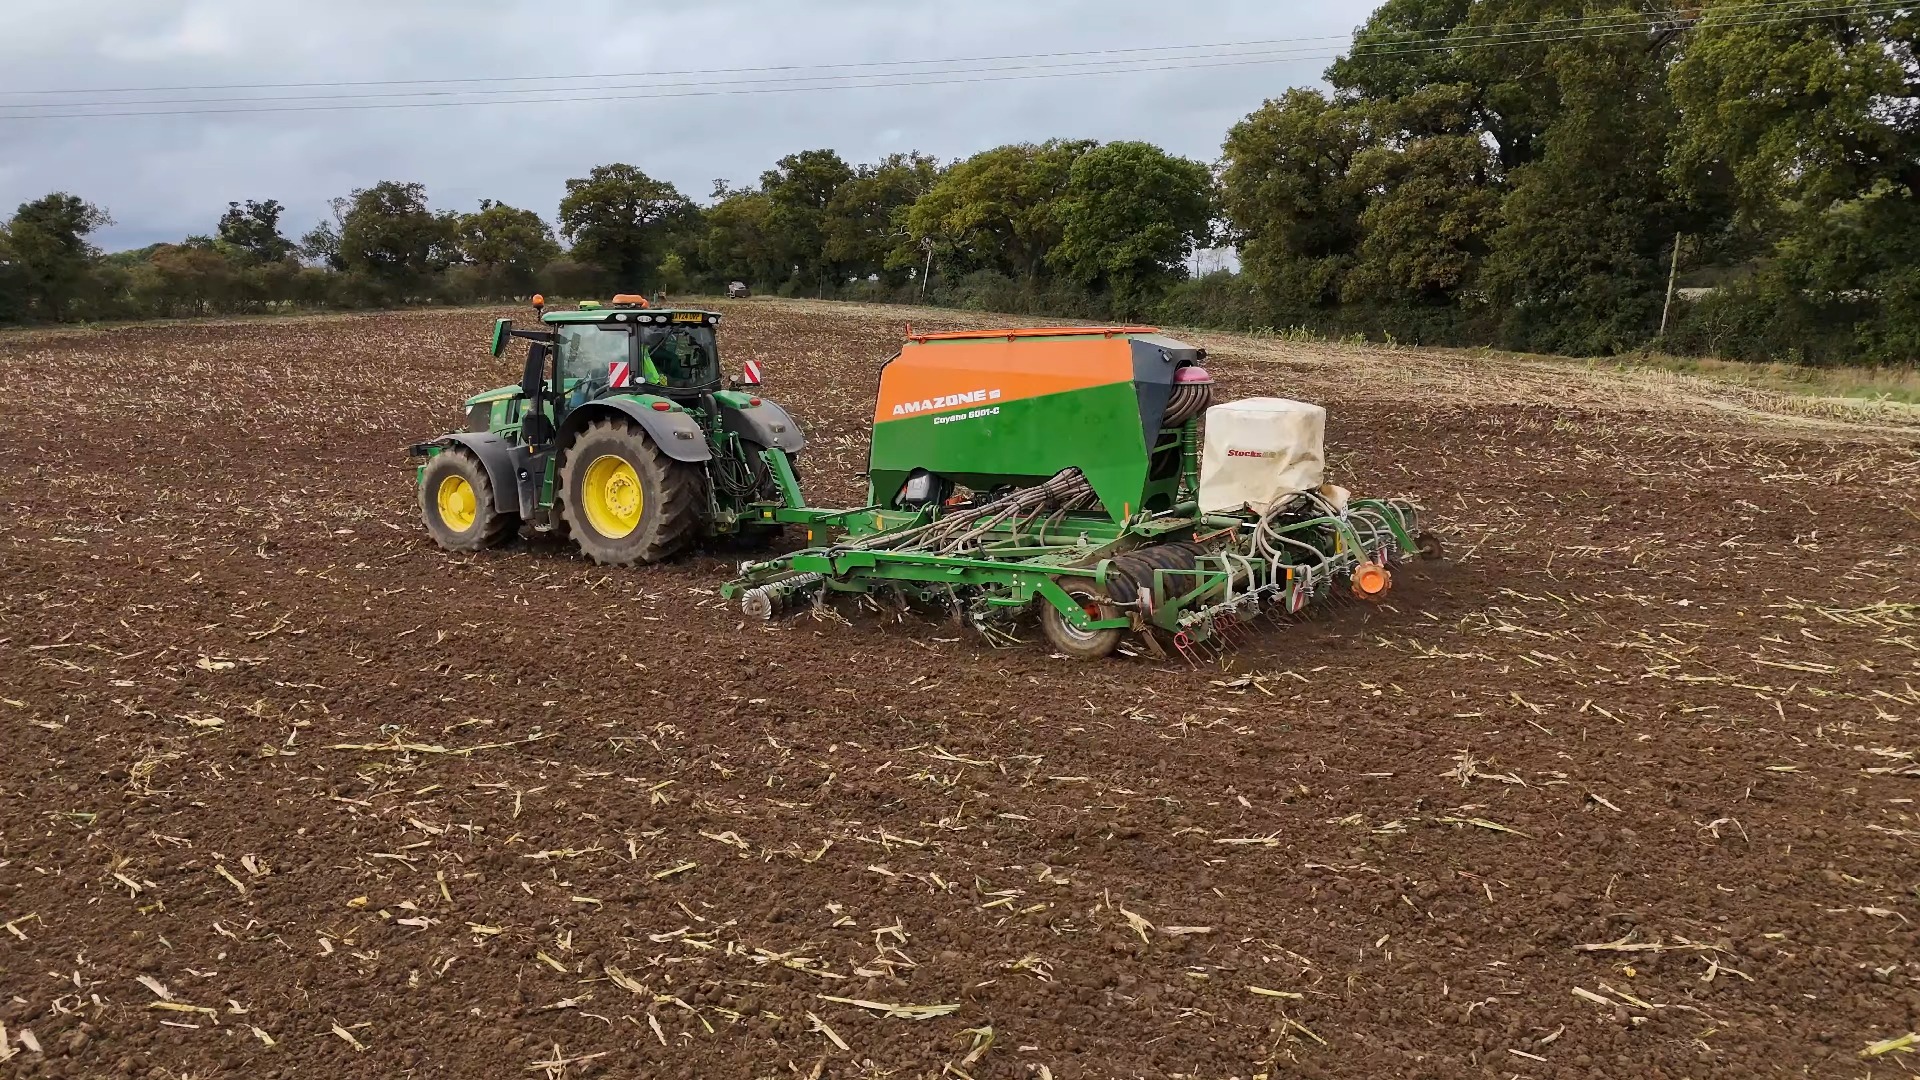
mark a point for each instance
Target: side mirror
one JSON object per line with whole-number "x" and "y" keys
{"x": 750, "y": 373}
{"x": 502, "y": 329}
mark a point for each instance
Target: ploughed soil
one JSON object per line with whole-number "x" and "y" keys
{"x": 1623, "y": 788}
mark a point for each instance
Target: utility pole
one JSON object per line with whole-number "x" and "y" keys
{"x": 927, "y": 272}
{"x": 1673, "y": 273}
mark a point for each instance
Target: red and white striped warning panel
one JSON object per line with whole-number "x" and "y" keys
{"x": 618, "y": 373}
{"x": 750, "y": 374}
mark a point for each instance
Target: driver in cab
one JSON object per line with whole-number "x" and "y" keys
{"x": 673, "y": 353}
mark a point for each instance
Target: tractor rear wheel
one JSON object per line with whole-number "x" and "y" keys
{"x": 624, "y": 502}
{"x": 1069, "y": 639}
{"x": 456, "y": 503}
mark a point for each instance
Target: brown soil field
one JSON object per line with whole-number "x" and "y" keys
{"x": 1625, "y": 788}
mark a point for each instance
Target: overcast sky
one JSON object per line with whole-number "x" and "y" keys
{"x": 162, "y": 177}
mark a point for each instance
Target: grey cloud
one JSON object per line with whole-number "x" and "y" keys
{"x": 163, "y": 177}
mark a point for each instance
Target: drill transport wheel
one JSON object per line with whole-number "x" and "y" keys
{"x": 1074, "y": 642}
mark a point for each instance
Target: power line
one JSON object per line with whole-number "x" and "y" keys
{"x": 1515, "y": 29}
{"x": 688, "y": 71}
{"x": 1475, "y": 36}
{"x": 624, "y": 97}
{"x": 1583, "y": 21}
{"x": 1273, "y": 55}
{"x": 1741, "y": 17}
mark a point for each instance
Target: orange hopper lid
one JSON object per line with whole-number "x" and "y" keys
{"x": 630, "y": 300}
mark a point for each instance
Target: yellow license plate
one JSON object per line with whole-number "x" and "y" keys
{"x": 689, "y": 316}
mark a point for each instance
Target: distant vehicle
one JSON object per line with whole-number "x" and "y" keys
{"x": 737, "y": 290}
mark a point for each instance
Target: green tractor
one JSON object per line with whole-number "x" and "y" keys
{"x": 621, "y": 436}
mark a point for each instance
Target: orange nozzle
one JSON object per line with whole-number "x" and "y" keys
{"x": 1371, "y": 581}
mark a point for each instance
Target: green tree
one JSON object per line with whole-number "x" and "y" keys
{"x": 255, "y": 230}
{"x": 1425, "y": 230}
{"x": 506, "y": 246}
{"x": 999, "y": 209}
{"x": 50, "y": 251}
{"x": 622, "y": 222}
{"x": 1129, "y": 218}
{"x": 1814, "y": 111}
{"x": 674, "y": 278}
{"x": 1399, "y": 50}
{"x": 389, "y": 236}
{"x": 185, "y": 279}
{"x": 1507, "y": 92}
{"x": 1519, "y": 185}
{"x": 1817, "y": 122}
{"x": 1291, "y": 199}
{"x": 866, "y": 218}
{"x": 740, "y": 243}
{"x": 799, "y": 189}
{"x": 1578, "y": 263}
{"x": 320, "y": 245}
{"x": 13, "y": 284}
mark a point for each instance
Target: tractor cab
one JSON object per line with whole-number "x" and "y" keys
{"x": 629, "y": 347}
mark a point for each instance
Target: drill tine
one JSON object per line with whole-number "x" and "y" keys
{"x": 1152, "y": 639}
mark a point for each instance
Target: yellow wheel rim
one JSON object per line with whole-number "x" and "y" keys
{"x": 458, "y": 507}
{"x": 610, "y": 493}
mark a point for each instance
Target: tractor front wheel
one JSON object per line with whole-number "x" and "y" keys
{"x": 456, "y": 503}
{"x": 1075, "y": 643}
{"x": 625, "y": 502}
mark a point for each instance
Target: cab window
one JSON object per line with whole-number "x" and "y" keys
{"x": 686, "y": 357}
{"x": 587, "y": 354}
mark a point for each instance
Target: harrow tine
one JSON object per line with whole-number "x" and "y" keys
{"x": 1185, "y": 644}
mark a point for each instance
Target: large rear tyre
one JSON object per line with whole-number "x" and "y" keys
{"x": 624, "y": 502}
{"x": 456, "y": 503}
{"x": 1072, "y": 641}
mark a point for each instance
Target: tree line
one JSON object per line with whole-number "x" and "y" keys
{"x": 1533, "y": 174}
{"x": 1093, "y": 226}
